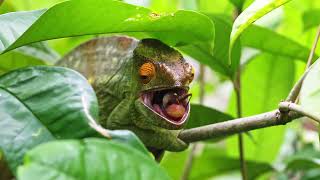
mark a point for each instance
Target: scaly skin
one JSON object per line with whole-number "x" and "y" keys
{"x": 111, "y": 65}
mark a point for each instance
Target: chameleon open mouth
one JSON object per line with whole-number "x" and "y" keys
{"x": 172, "y": 105}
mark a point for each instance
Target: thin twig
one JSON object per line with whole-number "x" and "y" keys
{"x": 313, "y": 49}
{"x": 189, "y": 163}
{"x": 287, "y": 106}
{"x": 294, "y": 93}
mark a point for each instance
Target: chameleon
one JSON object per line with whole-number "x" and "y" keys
{"x": 141, "y": 86}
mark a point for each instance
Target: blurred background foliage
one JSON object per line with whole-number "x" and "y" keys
{"x": 282, "y": 152}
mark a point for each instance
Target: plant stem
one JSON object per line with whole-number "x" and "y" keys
{"x": 294, "y": 93}
{"x": 313, "y": 49}
{"x": 237, "y": 88}
{"x": 188, "y": 165}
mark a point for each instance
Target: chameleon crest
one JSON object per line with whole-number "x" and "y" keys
{"x": 141, "y": 85}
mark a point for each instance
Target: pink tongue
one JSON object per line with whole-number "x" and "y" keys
{"x": 175, "y": 110}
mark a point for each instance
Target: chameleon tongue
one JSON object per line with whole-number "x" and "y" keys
{"x": 175, "y": 110}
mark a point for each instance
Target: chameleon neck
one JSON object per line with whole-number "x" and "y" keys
{"x": 112, "y": 89}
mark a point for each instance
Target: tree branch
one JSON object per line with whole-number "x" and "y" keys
{"x": 272, "y": 118}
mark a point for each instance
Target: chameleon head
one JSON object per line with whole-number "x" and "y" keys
{"x": 163, "y": 83}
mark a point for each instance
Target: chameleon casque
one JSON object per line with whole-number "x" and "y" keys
{"x": 141, "y": 85}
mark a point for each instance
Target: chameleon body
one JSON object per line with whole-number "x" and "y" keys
{"x": 135, "y": 81}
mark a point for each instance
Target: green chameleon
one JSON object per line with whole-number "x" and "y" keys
{"x": 141, "y": 85}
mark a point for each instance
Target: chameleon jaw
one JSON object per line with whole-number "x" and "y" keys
{"x": 170, "y": 104}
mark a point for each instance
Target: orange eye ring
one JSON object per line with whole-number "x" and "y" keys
{"x": 146, "y": 72}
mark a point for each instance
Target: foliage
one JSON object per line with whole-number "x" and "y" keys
{"x": 70, "y": 159}
{"x": 48, "y": 114}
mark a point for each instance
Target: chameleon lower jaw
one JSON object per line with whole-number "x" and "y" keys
{"x": 157, "y": 101}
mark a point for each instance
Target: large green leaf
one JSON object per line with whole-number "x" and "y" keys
{"x": 88, "y": 159}
{"x": 255, "y": 11}
{"x": 20, "y": 129}
{"x": 272, "y": 42}
{"x": 310, "y": 90}
{"x": 201, "y": 115}
{"x": 40, "y": 104}
{"x": 311, "y": 19}
{"x": 181, "y": 27}
{"x": 266, "y": 80}
{"x": 56, "y": 96}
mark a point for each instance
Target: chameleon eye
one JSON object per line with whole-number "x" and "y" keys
{"x": 146, "y": 72}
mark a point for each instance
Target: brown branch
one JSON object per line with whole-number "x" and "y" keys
{"x": 231, "y": 127}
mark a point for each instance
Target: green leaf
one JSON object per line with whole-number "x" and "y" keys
{"x": 272, "y": 42}
{"x": 56, "y": 96}
{"x": 14, "y": 60}
{"x": 88, "y": 159}
{"x": 218, "y": 59}
{"x": 15, "y": 24}
{"x": 210, "y": 161}
{"x": 266, "y": 80}
{"x": 223, "y": 164}
{"x": 237, "y": 3}
{"x": 311, "y": 19}
{"x": 255, "y": 11}
{"x": 310, "y": 90}
{"x": 30, "y": 55}
{"x": 164, "y": 5}
{"x": 305, "y": 159}
{"x": 20, "y": 129}
{"x": 39, "y": 104}
{"x": 41, "y": 51}
{"x": 201, "y": 115}
{"x": 181, "y": 27}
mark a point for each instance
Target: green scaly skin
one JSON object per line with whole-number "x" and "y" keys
{"x": 111, "y": 64}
